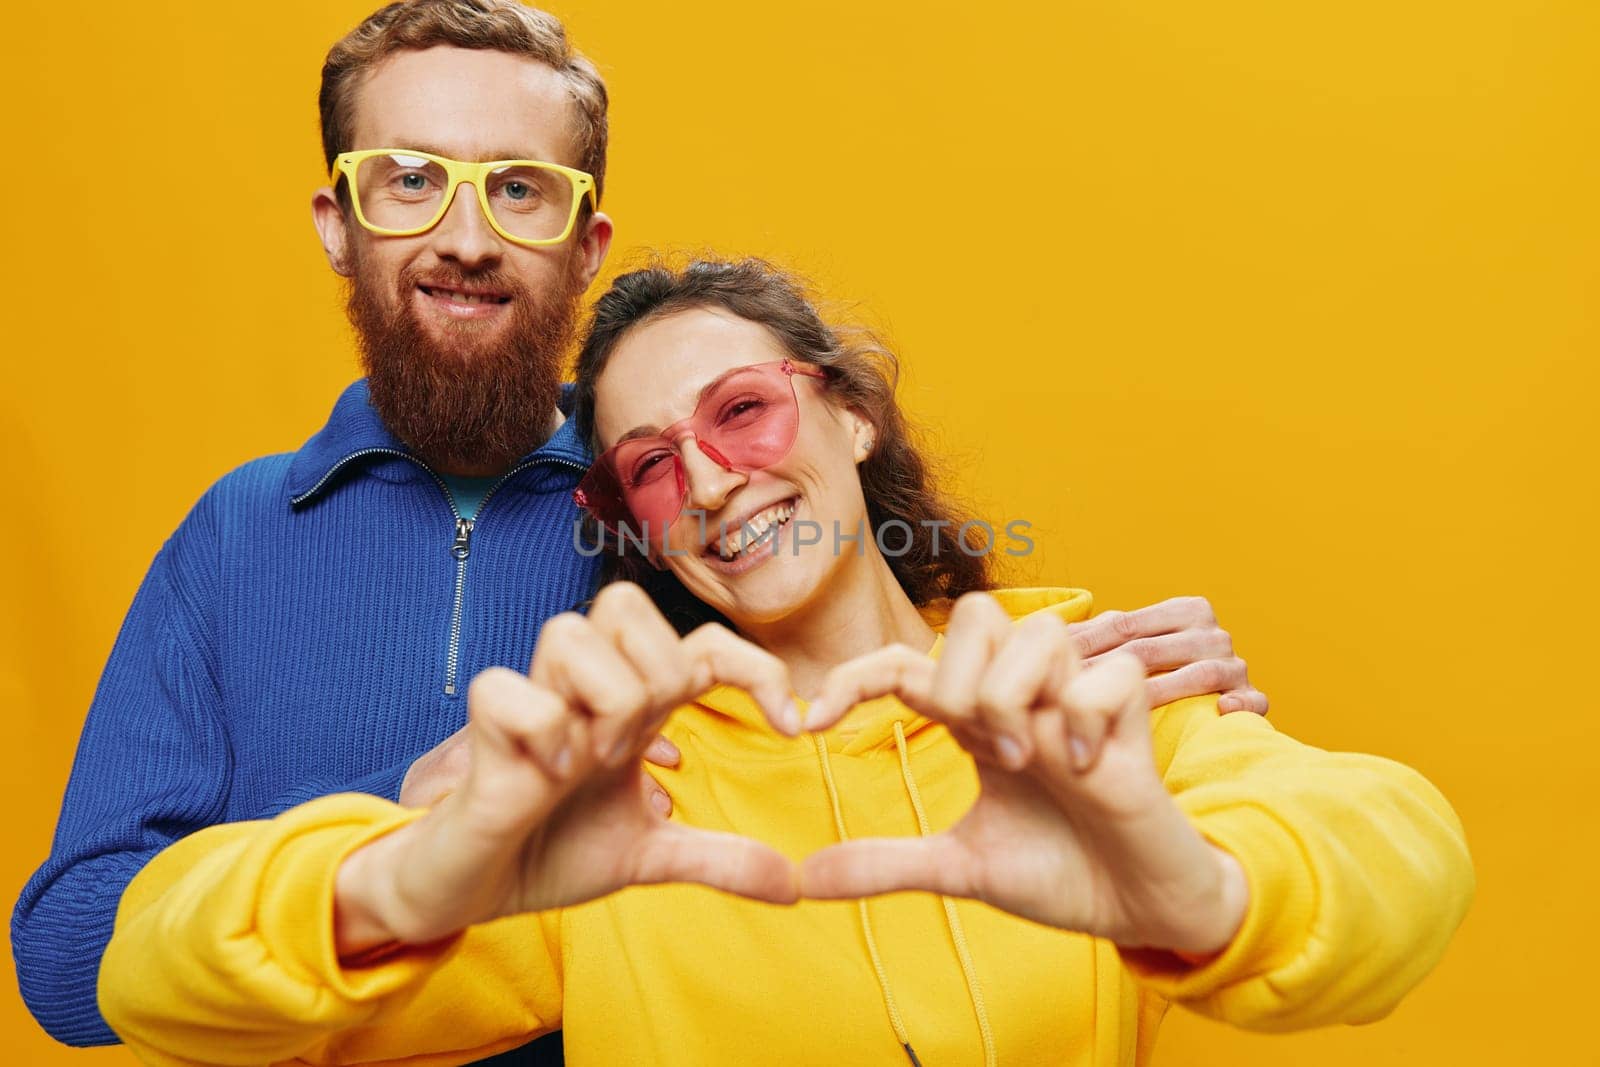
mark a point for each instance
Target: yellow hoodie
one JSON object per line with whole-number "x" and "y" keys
{"x": 1358, "y": 874}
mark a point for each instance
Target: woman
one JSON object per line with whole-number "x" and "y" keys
{"x": 1085, "y": 861}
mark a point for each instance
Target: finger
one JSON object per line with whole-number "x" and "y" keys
{"x": 658, "y": 797}
{"x": 897, "y": 670}
{"x": 734, "y": 864}
{"x": 662, "y": 752}
{"x": 574, "y": 659}
{"x": 873, "y": 865}
{"x": 625, "y": 613}
{"x": 717, "y": 654}
{"x": 1198, "y": 679}
{"x": 978, "y": 626}
{"x": 512, "y": 720}
{"x": 1112, "y": 629}
{"x": 1036, "y": 660}
{"x": 1246, "y": 699}
{"x": 1166, "y": 652}
{"x": 1097, "y": 701}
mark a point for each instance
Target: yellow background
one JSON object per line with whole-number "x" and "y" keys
{"x": 1289, "y": 304}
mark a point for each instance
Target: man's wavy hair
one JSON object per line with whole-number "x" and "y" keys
{"x": 896, "y": 480}
{"x": 497, "y": 25}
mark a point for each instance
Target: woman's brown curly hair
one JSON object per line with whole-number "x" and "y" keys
{"x": 895, "y": 478}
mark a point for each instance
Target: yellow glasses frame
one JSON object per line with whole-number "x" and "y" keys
{"x": 472, "y": 174}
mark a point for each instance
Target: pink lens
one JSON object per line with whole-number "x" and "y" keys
{"x": 745, "y": 420}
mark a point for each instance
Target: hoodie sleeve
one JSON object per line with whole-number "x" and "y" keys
{"x": 1358, "y": 872}
{"x": 223, "y": 953}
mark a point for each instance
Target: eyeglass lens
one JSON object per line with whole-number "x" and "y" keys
{"x": 746, "y": 421}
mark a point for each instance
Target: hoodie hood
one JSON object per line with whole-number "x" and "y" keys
{"x": 730, "y": 711}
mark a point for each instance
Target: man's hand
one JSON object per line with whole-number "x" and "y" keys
{"x": 1180, "y": 636}
{"x": 440, "y": 771}
{"x": 553, "y": 810}
{"x": 1072, "y": 826}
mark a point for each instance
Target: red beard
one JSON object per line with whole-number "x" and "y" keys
{"x": 462, "y": 403}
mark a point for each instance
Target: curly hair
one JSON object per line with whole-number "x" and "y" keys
{"x": 896, "y": 479}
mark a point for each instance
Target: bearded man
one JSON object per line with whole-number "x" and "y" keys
{"x": 312, "y": 624}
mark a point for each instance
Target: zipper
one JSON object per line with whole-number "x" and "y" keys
{"x": 461, "y": 543}
{"x": 459, "y": 550}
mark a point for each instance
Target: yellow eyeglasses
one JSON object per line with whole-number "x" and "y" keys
{"x": 399, "y": 192}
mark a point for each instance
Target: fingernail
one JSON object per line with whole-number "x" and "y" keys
{"x": 619, "y": 753}
{"x": 1080, "y": 752}
{"x": 817, "y": 711}
{"x": 790, "y": 718}
{"x": 661, "y": 802}
{"x": 563, "y": 761}
{"x": 1010, "y": 753}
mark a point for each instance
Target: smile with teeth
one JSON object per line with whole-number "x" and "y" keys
{"x": 455, "y": 296}
{"x": 753, "y": 532}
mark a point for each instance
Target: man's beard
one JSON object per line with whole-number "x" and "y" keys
{"x": 463, "y": 403}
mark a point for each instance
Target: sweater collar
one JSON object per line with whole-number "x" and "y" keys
{"x": 354, "y": 428}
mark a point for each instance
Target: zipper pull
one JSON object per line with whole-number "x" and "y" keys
{"x": 463, "y": 543}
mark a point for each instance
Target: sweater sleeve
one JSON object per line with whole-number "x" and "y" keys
{"x": 1357, "y": 867}
{"x": 223, "y": 954}
{"x": 152, "y": 764}
{"x": 385, "y": 783}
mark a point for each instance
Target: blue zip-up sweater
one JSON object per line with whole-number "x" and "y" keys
{"x": 309, "y": 629}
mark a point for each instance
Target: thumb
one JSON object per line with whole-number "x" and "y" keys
{"x": 730, "y": 862}
{"x": 872, "y": 865}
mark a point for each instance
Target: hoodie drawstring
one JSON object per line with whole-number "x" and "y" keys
{"x": 952, "y": 920}
{"x": 866, "y": 920}
{"x": 957, "y": 933}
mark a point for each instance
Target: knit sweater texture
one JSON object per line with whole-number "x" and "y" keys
{"x": 310, "y": 628}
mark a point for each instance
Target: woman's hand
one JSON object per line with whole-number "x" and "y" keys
{"x": 1072, "y": 826}
{"x": 554, "y": 810}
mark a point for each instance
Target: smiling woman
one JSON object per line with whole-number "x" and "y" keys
{"x": 733, "y": 316}
{"x": 1075, "y": 860}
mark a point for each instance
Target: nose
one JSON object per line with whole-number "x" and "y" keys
{"x": 464, "y": 234}
{"x": 707, "y": 483}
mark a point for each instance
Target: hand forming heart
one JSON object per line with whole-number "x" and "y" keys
{"x": 1072, "y": 826}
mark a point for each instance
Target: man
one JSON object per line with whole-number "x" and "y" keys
{"x": 311, "y": 625}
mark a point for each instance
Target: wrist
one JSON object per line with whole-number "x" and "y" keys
{"x": 1230, "y": 897}
{"x": 359, "y": 922}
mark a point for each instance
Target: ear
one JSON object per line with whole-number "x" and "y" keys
{"x": 863, "y": 432}
{"x": 593, "y": 245}
{"x": 328, "y": 217}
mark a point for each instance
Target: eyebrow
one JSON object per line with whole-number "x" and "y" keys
{"x": 638, "y": 432}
